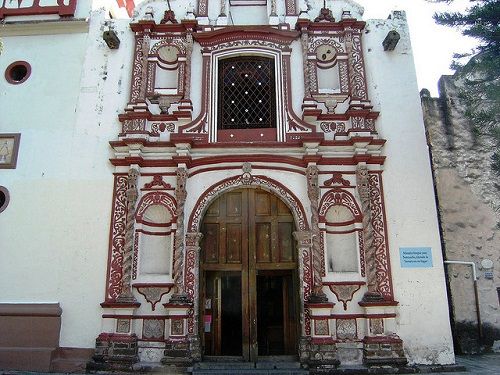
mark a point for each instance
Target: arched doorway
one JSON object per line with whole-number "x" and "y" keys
{"x": 249, "y": 303}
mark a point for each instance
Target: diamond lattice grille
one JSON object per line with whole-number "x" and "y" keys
{"x": 246, "y": 93}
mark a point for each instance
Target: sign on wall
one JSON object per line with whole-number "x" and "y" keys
{"x": 415, "y": 257}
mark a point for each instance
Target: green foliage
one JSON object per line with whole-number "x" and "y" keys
{"x": 481, "y": 75}
{"x": 480, "y": 21}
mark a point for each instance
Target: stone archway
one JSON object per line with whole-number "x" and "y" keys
{"x": 192, "y": 250}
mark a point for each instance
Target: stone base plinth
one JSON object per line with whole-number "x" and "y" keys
{"x": 384, "y": 350}
{"x": 114, "y": 352}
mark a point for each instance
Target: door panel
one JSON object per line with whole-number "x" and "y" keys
{"x": 250, "y": 303}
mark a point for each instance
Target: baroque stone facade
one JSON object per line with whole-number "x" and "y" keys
{"x": 252, "y": 160}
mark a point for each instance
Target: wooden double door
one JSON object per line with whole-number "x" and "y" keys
{"x": 249, "y": 302}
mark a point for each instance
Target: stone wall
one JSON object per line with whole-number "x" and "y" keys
{"x": 469, "y": 206}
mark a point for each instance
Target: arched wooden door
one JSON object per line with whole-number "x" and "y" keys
{"x": 249, "y": 300}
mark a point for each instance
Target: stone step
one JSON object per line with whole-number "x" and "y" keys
{"x": 249, "y": 368}
{"x": 254, "y": 371}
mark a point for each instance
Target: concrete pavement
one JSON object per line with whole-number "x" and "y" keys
{"x": 485, "y": 364}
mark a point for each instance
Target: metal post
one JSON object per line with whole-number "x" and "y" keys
{"x": 476, "y": 294}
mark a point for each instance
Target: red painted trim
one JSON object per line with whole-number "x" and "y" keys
{"x": 343, "y": 231}
{"x": 112, "y": 221}
{"x": 264, "y": 158}
{"x": 362, "y": 316}
{"x": 119, "y": 337}
{"x": 344, "y": 283}
{"x": 115, "y": 316}
{"x": 116, "y": 305}
{"x": 140, "y": 285}
{"x": 36, "y": 9}
{"x": 248, "y": 136}
{"x": 319, "y": 317}
{"x": 177, "y": 305}
{"x": 319, "y": 305}
{"x": 387, "y": 251}
{"x": 323, "y": 340}
{"x": 237, "y": 33}
{"x": 376, "y": 304}
{"x": 268, "y": 168}
{"x": 154, "y": 233}
{"x": 142, "y": 163}
{"x": 202, "y": 203}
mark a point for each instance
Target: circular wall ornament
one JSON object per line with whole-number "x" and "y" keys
{"x": 325, "y": 53}
{"x": 4, "y": 198}
{"x": 18, "y": 72}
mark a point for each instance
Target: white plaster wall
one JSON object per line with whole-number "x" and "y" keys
{"x": 422, "y": 320}
{"x": 54, "y": 233}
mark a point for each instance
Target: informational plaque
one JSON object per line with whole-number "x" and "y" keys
{"x": 415, "y": 257}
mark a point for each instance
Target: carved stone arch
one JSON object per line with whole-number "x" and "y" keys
{"x": 159, "y": 198}
{"x": 342, "y": 198}
{"x": 174, "y": 42}
{"x": 247, "y": 180}
{"x": 313, "y": 46}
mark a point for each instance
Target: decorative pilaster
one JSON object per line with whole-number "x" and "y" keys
{"x": 358, "y": 90}
{"x": 222, "y": 8}
{"x": 180, "y": 196}
{"x": 126, "y": 295}
{"x": 273, "y": 8}
{"x": 304, "y": 243}
{"x": 364, "y": 192}
{"x": 304, "y": 39}
{"x": 187, "y": 74}
{"x": 313, "y": 192}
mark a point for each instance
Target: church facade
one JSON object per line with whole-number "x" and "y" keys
{"x": 237, "y": 179}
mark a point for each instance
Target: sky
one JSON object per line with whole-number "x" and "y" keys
{"x": 433, "y": 45}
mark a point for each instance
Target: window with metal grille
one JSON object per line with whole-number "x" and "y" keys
{"x": 247, "y": 98}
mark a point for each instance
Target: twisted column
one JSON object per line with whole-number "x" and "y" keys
{"x": 132, "y": 193}
{"x": 180, "y": 196}
{"x": 364, "y": 194}
{"x": 313, "y": 194}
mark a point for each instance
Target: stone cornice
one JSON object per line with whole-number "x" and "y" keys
{"x": 44, "y": 27}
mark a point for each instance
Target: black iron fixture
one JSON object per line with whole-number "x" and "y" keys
{"x": 391, "y": 40}
{"x": 111, "y": 39}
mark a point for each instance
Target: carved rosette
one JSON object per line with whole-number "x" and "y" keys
{"x": 313, "y": 192}
{"x": 364, "y": 194}
{"x": 128, "y": 249}
{"x": 180, "y": 196}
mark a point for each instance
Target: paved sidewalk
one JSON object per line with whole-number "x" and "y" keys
{"x": 485, "y": 364}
